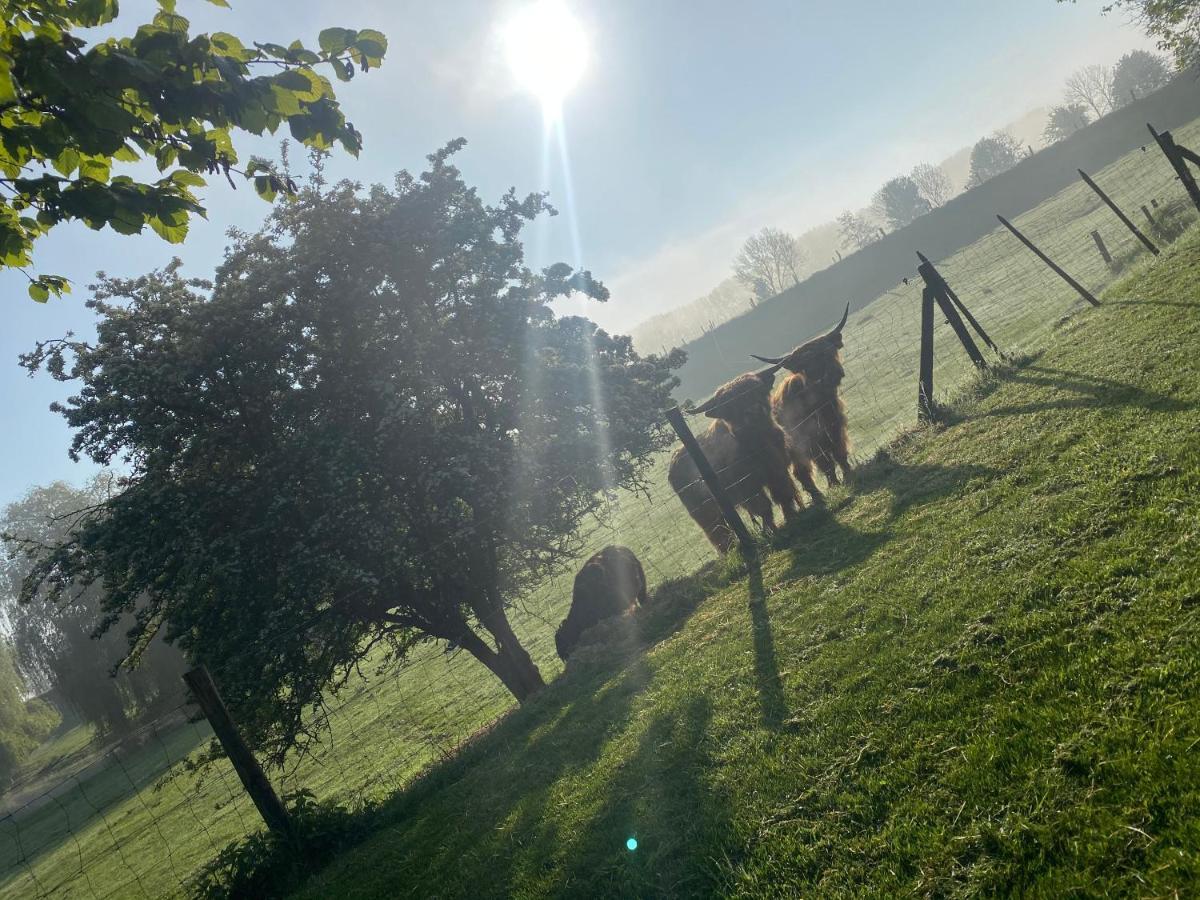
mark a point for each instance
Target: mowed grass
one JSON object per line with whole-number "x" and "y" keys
{"x": 976, "y": 674}
{"x": 107, "y": 830}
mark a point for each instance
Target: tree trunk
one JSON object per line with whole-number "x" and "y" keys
{"x": 509, "y": 662}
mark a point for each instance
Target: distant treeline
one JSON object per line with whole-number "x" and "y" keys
{"x": 775, "y": 325}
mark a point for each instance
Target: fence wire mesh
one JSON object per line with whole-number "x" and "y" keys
{"x": 136, "y": 820}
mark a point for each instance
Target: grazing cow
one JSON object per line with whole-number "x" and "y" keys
{"x": 749, "y": 453}
{"x": 808, "y": 407}
{"x": 611, "y": 583}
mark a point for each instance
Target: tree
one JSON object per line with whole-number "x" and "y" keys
{"x": 370, "y": 431}
{"x": 1064, "y": 121}
{"x": 899, "y": 201}
{"x": 1174, "y": 24}
{"x": 933, "y": 184}
{"x": 23, "y": 723}
{"x": 769, "y": 262}
{"x": 856, "y": 231}
{"x": 992, "y": 155}
{"x": 70, "y": 111}
{"x": 56, "y": 647}
{"x": 1092, "y": 86}
{"x": 1137, "y": 74}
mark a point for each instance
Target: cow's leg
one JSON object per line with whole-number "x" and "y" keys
{"x": 804, "y": 474}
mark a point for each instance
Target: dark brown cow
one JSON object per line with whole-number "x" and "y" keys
{"x": 749, "y": 453}
{"x": 611, "y": 583}
{"x": 810, "y": 410}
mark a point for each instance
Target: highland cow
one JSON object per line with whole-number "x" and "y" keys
{"x": 810, "y": 410}
{"x": 610, "y": 584}
{"x": 748, "y": 451}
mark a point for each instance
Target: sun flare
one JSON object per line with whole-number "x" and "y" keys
{"x": 547, "y": 51}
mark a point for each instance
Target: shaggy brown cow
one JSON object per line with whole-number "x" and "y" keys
{"x": 610, "y": 584}
{"x": 807, "y": 406}
{"x": 749, "y": 453}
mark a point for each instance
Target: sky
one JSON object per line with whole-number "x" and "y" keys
{"x": 695, "y": 123}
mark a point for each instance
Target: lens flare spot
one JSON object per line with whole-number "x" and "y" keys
{"x": 631, "y": 844}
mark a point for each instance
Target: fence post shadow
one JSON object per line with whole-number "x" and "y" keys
{"x": 766, "y": 669}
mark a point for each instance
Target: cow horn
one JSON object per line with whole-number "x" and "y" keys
{"x": 768, "y": 375}
{"x": 774, "y": 360}
{"x": 703, "y": 407}
{"x": 842, "y": 324}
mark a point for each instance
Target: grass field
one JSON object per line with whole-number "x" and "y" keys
{"x": 975, "y": 674}
{"x": 120, "y": 829}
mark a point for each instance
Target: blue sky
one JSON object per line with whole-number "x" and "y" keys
{"x": 696, "y": 122}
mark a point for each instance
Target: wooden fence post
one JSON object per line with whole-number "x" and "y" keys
{"x": 249, "y": 771}
{"x": 1149, "y": 216}
{"x": 1125, "y": 220}
{"x": 1054, "y": 267}
{"x": 925, "y": 382}
{"x": 944, "y": 287}
{"x": 1175, "y": 157}
{"x": 1104, "y": 254}
{"x": 730, "y": 514}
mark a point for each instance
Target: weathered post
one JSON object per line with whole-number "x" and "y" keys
{"x": 1149, "y": 217}
{"x": 944, "y": 286}
{"x": 1054, "y": 267}
{"x": 249, "y": 771}
{"x": 934, "y": 281}
{"x": 1104, "y": 254}
{"x": 1172, "y": 151}
{"x": 1154, "y": 203}
{"x": 1125, "y": 220}
{"x": 728, "y": 511}
{"x": 925, "y": 378}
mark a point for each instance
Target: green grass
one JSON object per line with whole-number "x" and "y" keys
{"x": 105, "y": 829}
{"x": 975, "y": 674}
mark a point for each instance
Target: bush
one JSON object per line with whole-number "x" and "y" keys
{"x": 264, "y": 865}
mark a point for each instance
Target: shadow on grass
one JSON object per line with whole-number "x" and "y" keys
{"x": 1133, "y": 301}
{"x": 1091, "y": 392}
{"x": 773, "y": 707}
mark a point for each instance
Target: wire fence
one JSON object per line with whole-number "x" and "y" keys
{"x": 139, "y": 821}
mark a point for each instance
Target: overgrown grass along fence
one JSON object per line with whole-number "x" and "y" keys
{"x": 140, "y": 822}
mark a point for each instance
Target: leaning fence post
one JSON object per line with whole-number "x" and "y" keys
{"x": 944, "y": 286}
{"x": 1125, "y": 220}
{"x": 1104, "y": 254}
{"x": 249, "y": 771}
{"x": 1054, "y": 267}
{"x": 1171, "y": 150}
{"x": 934, "y": 281}
{"x": 925, "y": 382}
{"x": 1149, "y": 216}
{"x": 732, "y": 519}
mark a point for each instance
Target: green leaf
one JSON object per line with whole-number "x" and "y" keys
{"x": 127, "y": 154}
{"x": 172, "y": 234}
{"x": 95, "y": 169}
{"x": 222, "y": 3}
{"x": 304, "y": 83}
{"x": 38, "y": 292}
{"x": 229, "y": 45}
{"x": 66, "y": 162}
{"x": 335, "y": 40}
{"x": 167, "y": 5}
{"x": 188, "y": 178}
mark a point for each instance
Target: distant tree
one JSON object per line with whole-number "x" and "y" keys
{"x": 856, "y": 232}
{"x": 23, "y": 723}
{"x": 933, "y": 183}
{"x": 69, "y": 111}
{"x": 1174, "y": 24}
{"x": 1137, "y": 74}
{"x": 992, "y": 155}
{"x": 769, "y": 262}
{"x": 1064, "y": 121}
{"x": 899, "y": 201}
{"x": 370, "y": 432}
{"x": 1092, "y": 86}
{"x": 57, "y": 649}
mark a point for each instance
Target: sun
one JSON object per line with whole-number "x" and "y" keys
{"x": 547, "y": 50}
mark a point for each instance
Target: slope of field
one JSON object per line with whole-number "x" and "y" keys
{"x": 975, "y": 674}
{"x": 775, "y": 325}
{"x": 106, "y": 830}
